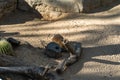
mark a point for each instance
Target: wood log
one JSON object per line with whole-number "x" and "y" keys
{"x": 22, "y": 68}
{"x": 62, "y": 66}
{"x": 31, "y": 71}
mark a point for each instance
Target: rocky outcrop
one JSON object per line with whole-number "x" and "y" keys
{"x": 53, "y": 9}
{"x": 7, "y": 6}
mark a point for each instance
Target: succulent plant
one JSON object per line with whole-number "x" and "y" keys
{"x": 6, "y": 47}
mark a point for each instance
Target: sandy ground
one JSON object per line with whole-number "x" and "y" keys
{"x": 99, "y": 34}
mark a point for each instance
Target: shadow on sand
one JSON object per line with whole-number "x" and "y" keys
{"x": 88, "y": 55}
{"x": 7, "y": 34}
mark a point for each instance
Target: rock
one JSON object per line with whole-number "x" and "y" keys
{"x": 89, "y": 5}
{"x": 23, "y": 5}
{"x": 27, "y": 5}
{"x": 7, "y": 6}
{"x": 1, "y": 15}
{"x": 54, "y": 9}
{"x": 1, "y": 10}
{"x": 104, "y": 2}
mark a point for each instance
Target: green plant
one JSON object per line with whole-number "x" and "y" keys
{"x": 6, "y": 47}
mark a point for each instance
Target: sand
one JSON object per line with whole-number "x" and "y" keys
{"x": 98, "y": 32}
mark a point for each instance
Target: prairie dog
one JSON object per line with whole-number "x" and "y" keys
{"x": 59, "y": 40}
{"x": 64, "y": 43}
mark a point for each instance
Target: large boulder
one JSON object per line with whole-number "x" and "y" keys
{"x": 105, "y": 2}
{"x": 53, "y": 9}
{"x": 50, "y": 9}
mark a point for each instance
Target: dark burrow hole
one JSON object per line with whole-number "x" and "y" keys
{"x": 56, "y": 47}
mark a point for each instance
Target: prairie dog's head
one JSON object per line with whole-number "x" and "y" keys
{"x": 58, "y": 39}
